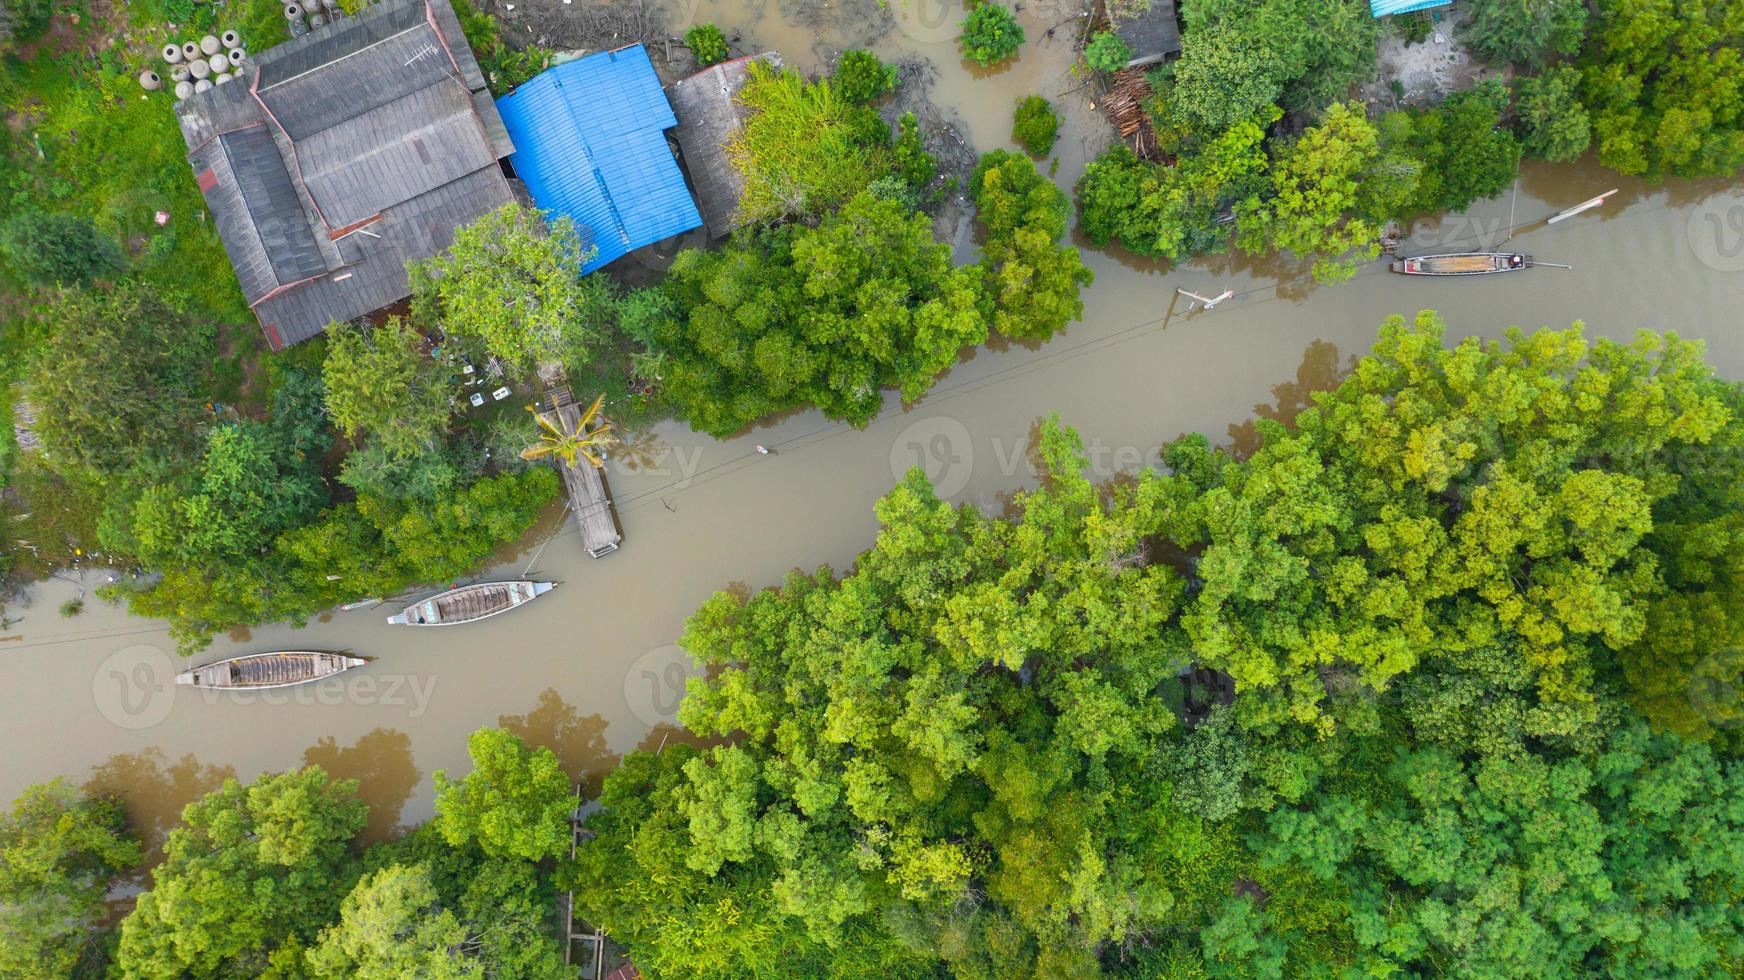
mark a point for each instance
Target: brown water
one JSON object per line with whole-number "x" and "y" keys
{"x": 592, "y": 670}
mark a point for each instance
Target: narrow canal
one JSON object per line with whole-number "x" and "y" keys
{"x": 593, "y": 670}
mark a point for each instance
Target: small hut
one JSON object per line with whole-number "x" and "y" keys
{"x": 709, "y": 113}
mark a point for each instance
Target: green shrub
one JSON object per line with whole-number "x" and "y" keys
{"x": 706, "y": 43}
{"x": 21, "y": 20}
{"x": 46, "y": 249}
{"x": 1107, "y": 52}
{"x": 1035, "y": 125}
{"x": 72, "y": 607}
{"x": 990, "y": 35}
{"x": 861, "y": 77}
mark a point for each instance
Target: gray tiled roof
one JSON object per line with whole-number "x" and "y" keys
{"x": 380, "y": 119}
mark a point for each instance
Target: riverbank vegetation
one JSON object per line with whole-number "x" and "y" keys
{"x": 1641, "y": 84}
{"x": 1440, "y": 680}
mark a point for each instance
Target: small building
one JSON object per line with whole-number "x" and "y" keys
{"x": 590, "y": 144}
{"x": 332, "y": 160}
{"x": 1153, "y": 35}
{"x": 709, "y": 114}
{"x": 1387, "y": 8}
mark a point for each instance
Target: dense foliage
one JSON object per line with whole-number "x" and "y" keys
{"x": 1033, "y": 280}
{"x": 1034, "y": 125}
{"x": 513, "y": 282}
{"x": 1456, "y": 601}
{"x": 706, "y": 43}
{"x": 990, "y": 34}
{"x": 825, "y": 316}
{"x": 1528, "y": 32}
{"x": 270, "y": 879}
{"x": 63, "y": 249}
{"x": 1107, "y": 52}
{"x": 861, "y": 77}
{"x": 59, "y": 854}
{"x": 806, "y": 148}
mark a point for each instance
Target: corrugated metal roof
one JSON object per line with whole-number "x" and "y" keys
{"x": 590, "y": 144}
{"x": 1386, "y": 8}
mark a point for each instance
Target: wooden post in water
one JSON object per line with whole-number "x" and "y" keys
{"x": 1582, "y": 206}
{"x": 1208, "y": 301}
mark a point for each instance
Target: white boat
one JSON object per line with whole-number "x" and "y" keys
{"x": 260, "y": 671}
{"x": 470, "y": 603}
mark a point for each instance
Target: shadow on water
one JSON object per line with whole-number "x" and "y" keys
{"x": 154, "y": 791}
{"x": 1321, "y": 370}
{"x": 666, "y": 735}
{"x": 381, "y": 762}
{"x": 578, "y": 742}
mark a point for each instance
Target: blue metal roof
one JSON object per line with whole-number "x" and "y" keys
{"x": 1384, "y": 8}
{"x": 590, "y": 143}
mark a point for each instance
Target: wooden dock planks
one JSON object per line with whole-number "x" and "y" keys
{"x": 588, "y": 498}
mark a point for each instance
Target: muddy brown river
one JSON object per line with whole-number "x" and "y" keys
{"x": 592, "y": 670}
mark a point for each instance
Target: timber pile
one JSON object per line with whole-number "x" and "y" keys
{"x": 1125, "y": 106}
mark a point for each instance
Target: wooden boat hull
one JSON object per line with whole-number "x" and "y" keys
{"x": 264, "y": 671}
{"x": 470, "y": 603}
{"x": 1462, "y": 264}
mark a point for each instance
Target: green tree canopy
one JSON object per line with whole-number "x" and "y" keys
{"x": 513, "y": 282}
{"x": 380, "y": 381}
{"x": 1552, "y": 123}
{"x": 824, "y": 316}
{"x": 59, "y": 249}
{"x": 945, "y": 738}
{"x": 393, "y": 925}
{"x": 1033, "y": 281}
{"x": 1324, "y": 204}
{"x": 59, "y": 853}
{"x": 115, "y": 371}
{"x": 515, "y": 803}
{"x": 806, "y": 148}
{"x": 252, "y": 868}
{"x": 1528, "y": 32}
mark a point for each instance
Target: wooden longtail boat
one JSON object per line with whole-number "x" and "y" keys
{"x": 260, "y": 671}
{"x": 1462, "y": 264}
{"x": 470, "y": 603}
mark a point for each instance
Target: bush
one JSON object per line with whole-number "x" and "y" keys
{"x": 706, "y": 43}
{"x": 50, "y": 249}
{"x": 21, "y": 20}
{"x": 1035, "y": 125}
{"x": 1107, "y": 52}
{"x": 861, "y": 77}
{"x": 990, "y": 35}
{"x": 72, "y": 607}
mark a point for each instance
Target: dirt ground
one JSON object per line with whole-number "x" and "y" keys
{"x": 1427, "y": 71}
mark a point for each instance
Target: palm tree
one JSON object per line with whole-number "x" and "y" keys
{"x": 584, "y": 441}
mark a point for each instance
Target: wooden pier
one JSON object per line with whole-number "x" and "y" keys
{"x": 589, "y": 501}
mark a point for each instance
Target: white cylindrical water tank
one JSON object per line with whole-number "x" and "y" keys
{"x": 172, "y": 53}
{"x": 190, "y": 51}
{"x": 317, "y": 20}
{"x": 199, "y": 69}
{"x": 231, "y": 39}
{"x": 219, "y": 63}
{"x": 209, "y": 44}
{"x": 235, "y": 57}
{"x": 293, "y": 11}
{"x": 202, "y": 85}
{"x": 184, "y": 89}
{"x": 179, "y": 72}
{"x": 149, "y": 80}
{"x": 221, "y": 77}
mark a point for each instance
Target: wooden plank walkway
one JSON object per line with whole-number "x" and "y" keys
{"x": 589, "y": 501}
